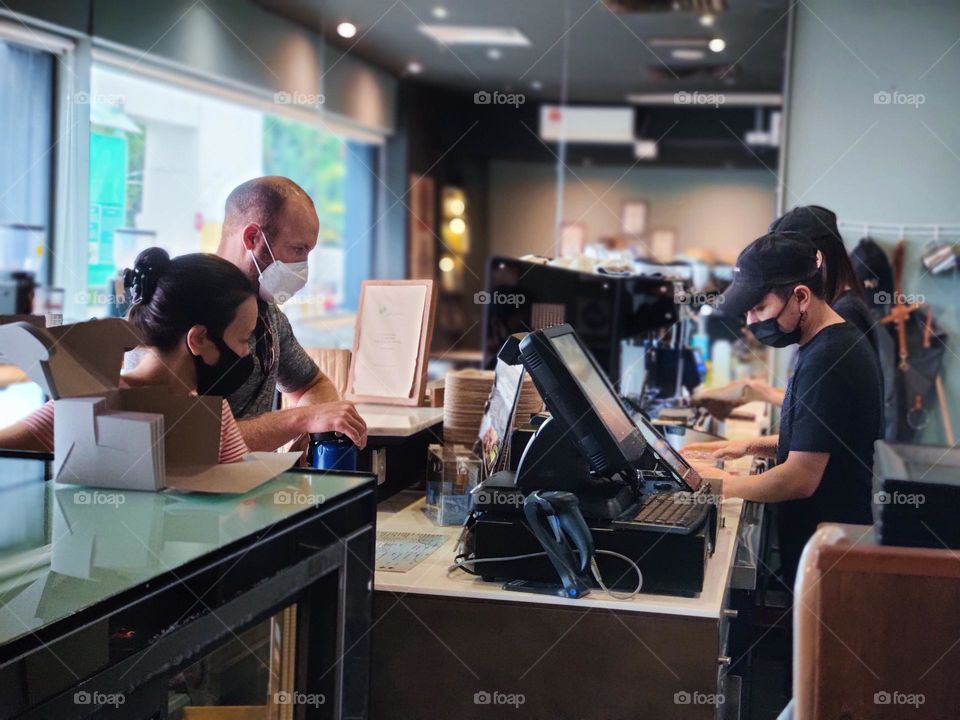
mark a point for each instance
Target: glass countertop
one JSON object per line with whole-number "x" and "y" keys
{"x": 66, "y": 547}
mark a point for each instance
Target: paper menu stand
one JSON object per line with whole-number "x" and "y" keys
{"x": 391, "y": 343}
{"x": 132, "y": 438}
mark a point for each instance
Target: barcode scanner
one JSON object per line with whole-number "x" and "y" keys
{"x": 555, "y": 518}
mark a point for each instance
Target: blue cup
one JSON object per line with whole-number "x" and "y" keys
{"x": 331, "y": 451}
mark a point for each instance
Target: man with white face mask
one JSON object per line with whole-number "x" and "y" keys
{"x": 270, "y": 226}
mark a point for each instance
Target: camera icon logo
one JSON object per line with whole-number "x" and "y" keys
{"x": 482, "y": 97}
{"x": 282, "y": 497}
{"x": 283, "y": 698}
{"x": 82, "y": 497}
{"x": 681, "y": 698}
{"x": 481, "y": 298}
{"x": 882, "y": 697}
{"x": 481, "y": 698}
{"x": 882, "y": 98}
{"x": 881, "y": 298}
{"x": 81, "y": 697}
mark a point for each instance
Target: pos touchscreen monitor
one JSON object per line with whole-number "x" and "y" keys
{"x": 581, "y": 398}
{"x": 662, "y": 448}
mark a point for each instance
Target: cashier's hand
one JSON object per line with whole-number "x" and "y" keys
{"x": 341, "y": 417}
{"x": 717, "y": 449}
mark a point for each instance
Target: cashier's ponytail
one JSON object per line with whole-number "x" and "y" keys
{"x": 168, "y": 296}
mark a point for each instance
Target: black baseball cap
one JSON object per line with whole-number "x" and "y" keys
{"x": 769, "y": 261}
{"x": 812, "y": 221}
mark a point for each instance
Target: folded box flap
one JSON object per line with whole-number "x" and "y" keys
{"x": 70, "y": 360}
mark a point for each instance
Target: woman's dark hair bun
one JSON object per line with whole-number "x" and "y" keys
{"x": 141, "y": 282}
{"x": 168, "y": 296}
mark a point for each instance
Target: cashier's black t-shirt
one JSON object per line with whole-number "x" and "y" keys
{"x": 851, "y": 308}
{"x": 833, "y": 404}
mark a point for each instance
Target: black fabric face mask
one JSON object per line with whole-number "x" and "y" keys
{"x": 770, "y": 333}
{"x": 226, "y": 376}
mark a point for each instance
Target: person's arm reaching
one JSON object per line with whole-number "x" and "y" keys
{"x": 317, "y": 404}
{"x": 764, "y": 446}
{"x": 34, "y": 432}
{"x": 796, "y": 478}
{"x": 20, "y": 437}
{"x": 273, "y": 429}
{"x": 768, "y": 392}
{"x": 320, "y": 390}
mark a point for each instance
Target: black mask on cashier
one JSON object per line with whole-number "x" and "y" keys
{"x": 770, "y": 333}
{"x": 227, "y": 375}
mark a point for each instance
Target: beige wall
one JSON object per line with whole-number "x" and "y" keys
{"x": 721, "y": 210}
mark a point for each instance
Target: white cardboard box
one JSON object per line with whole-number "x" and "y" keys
{"x": 145, "y": 438}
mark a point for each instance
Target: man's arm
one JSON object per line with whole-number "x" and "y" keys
{"x": 319, "y": 390}
{"x": 764, "y": 446}
{"x": 798, "y": 477}
{"x": 769, "y": 393}
{"x": 269, "y": 431}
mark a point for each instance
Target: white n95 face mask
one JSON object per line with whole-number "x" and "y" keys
{"x": 281, "y": 280}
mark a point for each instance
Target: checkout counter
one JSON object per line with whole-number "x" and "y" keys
{"x": 452, "y": 644}
{"x": 131, "y": 596}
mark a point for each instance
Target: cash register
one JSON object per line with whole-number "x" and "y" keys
{"x": 641, "y": 504}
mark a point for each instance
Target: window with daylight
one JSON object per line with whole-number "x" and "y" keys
{"x": 163, "y": 159}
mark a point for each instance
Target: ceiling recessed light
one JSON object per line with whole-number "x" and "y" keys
{"x": 439, "y": 12}
{"x": 717, "y": 45}
{"x": 494, "y": 53}
{"x": 707, "y": 20}
{"x": 346, "y": 30}
{"x": 414, "y": 68}
{"x": 475, "y": 35}
{"x": 687, "y": 54}
{"x": 536, "y": 85}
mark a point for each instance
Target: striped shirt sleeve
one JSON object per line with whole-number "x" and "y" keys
{"x": 232, "y": 445}
{"x": 40, "y": 424}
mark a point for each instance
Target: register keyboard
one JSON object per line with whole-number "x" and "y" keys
{"x": 676, "y": 512}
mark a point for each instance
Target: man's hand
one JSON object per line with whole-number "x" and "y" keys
{"x": 341, "y": 417}
{"x": 274, "y": 429}
{"x": 717, "y": 449}
{"x": 710, "y": 473}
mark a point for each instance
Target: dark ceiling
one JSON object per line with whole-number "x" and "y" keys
{"x": 608, "y": 55}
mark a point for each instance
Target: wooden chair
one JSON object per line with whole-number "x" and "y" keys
{"x": 876, "y": 629}
{"x": 335, "y": 364}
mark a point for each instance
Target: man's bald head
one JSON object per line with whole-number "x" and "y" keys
{"x": 262, "y": 201}
{"x": 271, "y": 209}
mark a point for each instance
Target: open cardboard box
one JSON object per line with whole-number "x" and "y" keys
{"x": 131, "y": 438}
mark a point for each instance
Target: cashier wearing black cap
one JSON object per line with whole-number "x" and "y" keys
{"x": 832, "y": 411}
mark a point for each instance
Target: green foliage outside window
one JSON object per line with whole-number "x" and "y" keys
{"x": 314, "y": 159}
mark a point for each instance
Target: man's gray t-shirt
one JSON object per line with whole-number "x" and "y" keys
{"x": 280, "y": 362}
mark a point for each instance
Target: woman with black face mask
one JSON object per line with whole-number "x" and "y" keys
{"x": 196, "y": 314}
